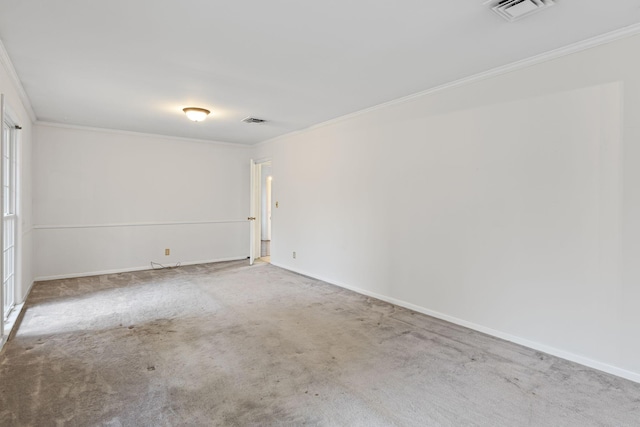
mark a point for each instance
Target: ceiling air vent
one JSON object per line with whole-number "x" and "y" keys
{"x": 253, "y": 120}
{"x": 512, "y": 10}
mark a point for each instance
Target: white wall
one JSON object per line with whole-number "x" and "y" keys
{"x": 510, "y": 205}
{"x": 20, "y": 113}
{"x": 95, "y": 178}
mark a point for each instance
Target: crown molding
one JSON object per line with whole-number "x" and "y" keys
{"x": 609, "y": 37}
{"x": 140, "y": 134}
{"x": 5, "y": 60}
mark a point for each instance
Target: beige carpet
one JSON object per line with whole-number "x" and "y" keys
{"x": 232, "y": 345}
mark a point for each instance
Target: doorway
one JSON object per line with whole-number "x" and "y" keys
{"x": 265, "y": 211}
{"x": 261, "y": 201}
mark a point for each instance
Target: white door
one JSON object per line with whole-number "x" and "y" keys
{"x": 252, "y": 210}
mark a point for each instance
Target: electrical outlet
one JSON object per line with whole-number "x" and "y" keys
{"x": 294, "y": 254}
{"x": 167, "y": 251}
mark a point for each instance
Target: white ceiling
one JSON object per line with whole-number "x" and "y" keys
{"x": 134, "y": 64}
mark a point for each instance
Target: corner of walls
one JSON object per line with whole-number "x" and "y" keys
{"x": 13, "y": 80}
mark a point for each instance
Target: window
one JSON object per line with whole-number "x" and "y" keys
{"x": 9, "y": 222}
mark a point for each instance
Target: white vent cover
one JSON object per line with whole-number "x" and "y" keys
{"x": 512, "y": 10}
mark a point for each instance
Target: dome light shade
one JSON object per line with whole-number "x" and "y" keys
{"x": 196, "y": 114}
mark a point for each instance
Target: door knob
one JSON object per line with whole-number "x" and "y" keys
{"x": 251, "y": 218}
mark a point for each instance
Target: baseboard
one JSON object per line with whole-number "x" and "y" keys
{"x": 129, "y": 269}
{"x": 585, "y": 361}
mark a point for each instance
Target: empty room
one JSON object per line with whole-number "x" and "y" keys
{"x": 343, "y": 213}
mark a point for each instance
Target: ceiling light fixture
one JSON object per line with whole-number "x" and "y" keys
{"x": 196, "y": 114}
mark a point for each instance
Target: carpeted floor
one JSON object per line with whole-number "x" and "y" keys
{"x": 232, "y": 345}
